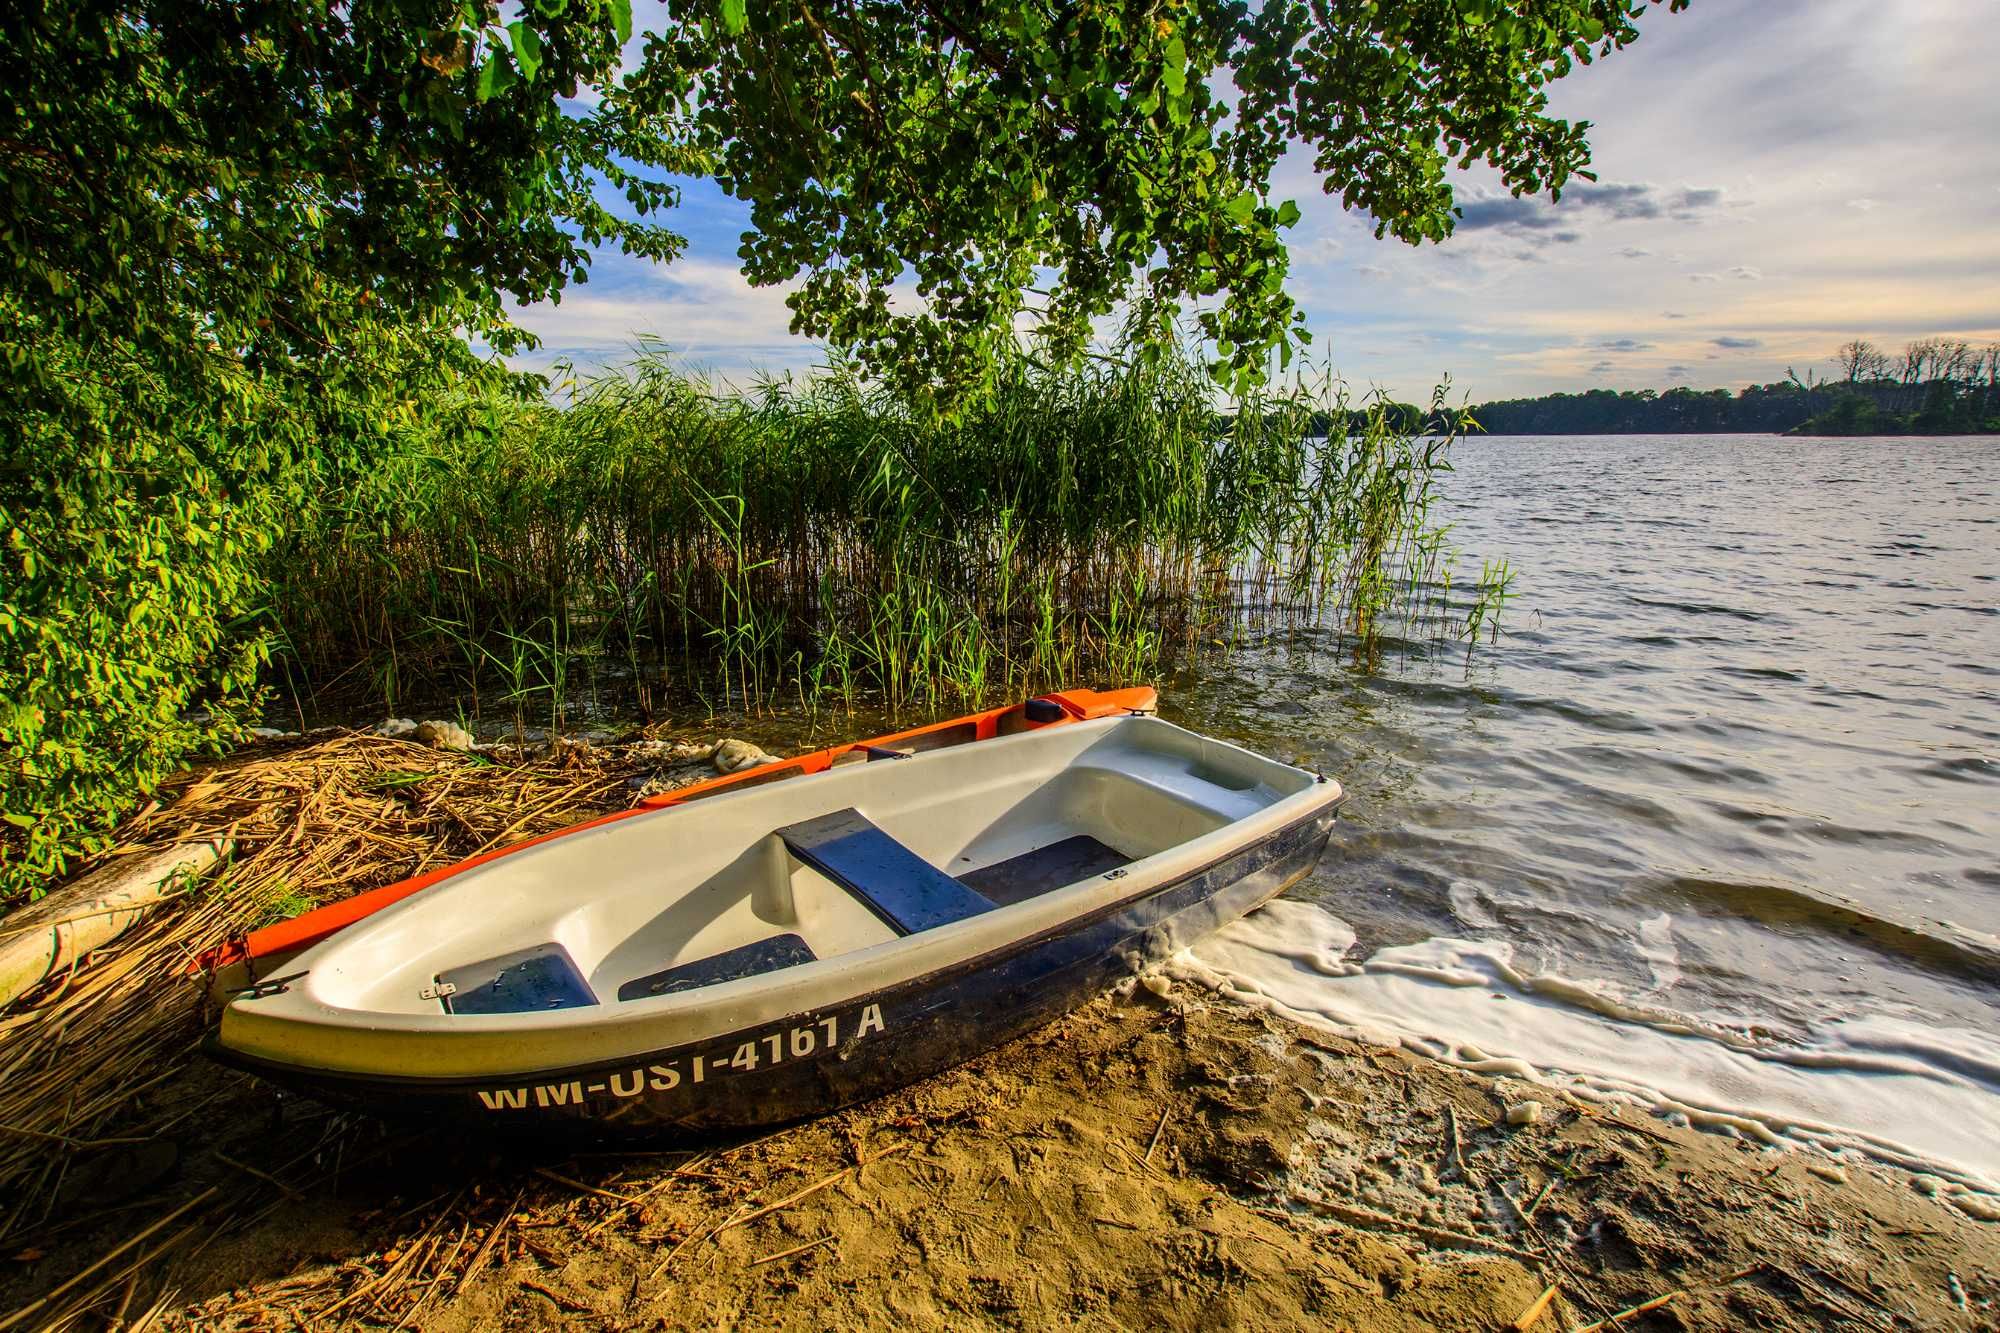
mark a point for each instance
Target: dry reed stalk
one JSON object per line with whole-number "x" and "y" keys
{"x": 1533, "y": 1314}
{"x": 827, "y": 1239}
{"x": 134, "y": 1242}
{"x": 1369, "y": 1219}
{"x": 1630, "y": 1312}
{"x": 1157, "y": 1131}
{"x": 809, "y": 1190}
{"x": 478, "y": 1259}
{"x": 97, "y": 1060}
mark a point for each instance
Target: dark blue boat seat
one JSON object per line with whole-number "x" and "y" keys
{"x": 749, "y": 960}
{"x": 906, "y": 891}
{"x": 523, "y": 982}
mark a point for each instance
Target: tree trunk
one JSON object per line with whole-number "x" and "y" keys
{"x": 42, "y": 939}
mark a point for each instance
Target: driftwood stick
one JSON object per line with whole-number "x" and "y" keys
{"x": 42, "y": 940}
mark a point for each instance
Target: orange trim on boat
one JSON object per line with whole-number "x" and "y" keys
{"x": 278, "y": 942}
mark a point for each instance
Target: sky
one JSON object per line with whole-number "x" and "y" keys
{"x": 1775, "y": 177}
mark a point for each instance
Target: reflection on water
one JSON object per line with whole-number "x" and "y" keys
{"x": 1736, "y": 753}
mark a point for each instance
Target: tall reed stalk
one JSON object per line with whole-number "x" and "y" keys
{"x": 820, "y": 539}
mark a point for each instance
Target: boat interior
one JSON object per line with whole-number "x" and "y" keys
{"x": 794, "y": 873}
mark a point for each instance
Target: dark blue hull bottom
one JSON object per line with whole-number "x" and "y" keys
{"x": 816, "y": 1062}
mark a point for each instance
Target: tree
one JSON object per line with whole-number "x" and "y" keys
{"x": 1023, "y": 159}
{"x": 243, "y": 244}
{"x": 238, "y": 247}
{"x": 1860, "y": 359}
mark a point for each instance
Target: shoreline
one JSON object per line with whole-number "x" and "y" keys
{"x": 1172, "y": 1161}
{"x": 1164, "y": 1156}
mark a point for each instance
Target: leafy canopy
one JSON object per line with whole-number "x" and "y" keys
{"x": 239, "y": 246}
{"x": 242, "y": 246}
{"x": 1020, "y": 161}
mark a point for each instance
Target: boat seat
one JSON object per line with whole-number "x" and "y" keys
{"x": 748, "y": 960}
{"x": 523, "y": 982}
{"x": 1034, "y": 873}
{"x": 906, "y": 891}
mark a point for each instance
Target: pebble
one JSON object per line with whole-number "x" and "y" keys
{"x": 733, "y": 756}
{"x": 1979, "y": 1207}
{"x": 1927, "y": 1185}
{"x": 1828, "y": 1171}
{"x": 442, "y": 735}
{"x": 1525, "y": 1113}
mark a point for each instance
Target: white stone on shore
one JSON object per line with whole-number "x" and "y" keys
{"x": 442, "y": 735}
{"x": 733, "y": 756}
{"x": 1978, "y": 1207}
{"x": 1525, "y": 1113}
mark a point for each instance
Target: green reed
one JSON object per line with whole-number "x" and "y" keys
{"x": 818, "y": 538}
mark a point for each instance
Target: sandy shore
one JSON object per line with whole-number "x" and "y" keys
{"x": 1178, "y": 1162}
{"x": 1163, "y": 1158}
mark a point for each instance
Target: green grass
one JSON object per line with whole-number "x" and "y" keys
{"x": 818, "y": 540}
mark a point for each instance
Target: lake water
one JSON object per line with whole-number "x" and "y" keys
{"x": 1714, "y": 826}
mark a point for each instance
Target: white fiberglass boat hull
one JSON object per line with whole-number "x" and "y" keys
{"x": 777, "y": 952}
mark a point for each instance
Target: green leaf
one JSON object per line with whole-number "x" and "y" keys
{"x": 527, "y": 45}
{"x": 621, "y": 19}
{"x": 1241, "y": 207}
{"x": 734, "y": 17}
{"x": 496, "y": 76}
{"x": 1288, "y": 213}
{"x": 1173, "y": 67}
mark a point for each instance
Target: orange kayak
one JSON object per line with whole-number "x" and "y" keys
{"x": 242, "y": 961}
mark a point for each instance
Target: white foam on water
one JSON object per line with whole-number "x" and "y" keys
{"x": 1657, "y": 947}
{"x": 1922, "y": 1097}
{"x": 1468, "y": 904}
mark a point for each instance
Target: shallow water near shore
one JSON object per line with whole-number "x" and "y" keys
{"x": 1714, "y": 825}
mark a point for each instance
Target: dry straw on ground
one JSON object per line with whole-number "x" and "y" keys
{"x": 81, "y": 1060}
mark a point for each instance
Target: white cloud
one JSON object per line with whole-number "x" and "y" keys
{"x": 1690, "y": 124}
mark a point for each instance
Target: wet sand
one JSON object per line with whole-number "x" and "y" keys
{"x": 1167, "y": 1161}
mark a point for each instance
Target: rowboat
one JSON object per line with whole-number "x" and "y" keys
{"x": 783, "y": 949}
{"x": 239, "y": 962}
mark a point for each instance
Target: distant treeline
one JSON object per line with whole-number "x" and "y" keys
{"x": 1935, "y": 386}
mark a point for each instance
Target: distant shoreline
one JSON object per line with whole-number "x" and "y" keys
{"x": 1952, "y": 402}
